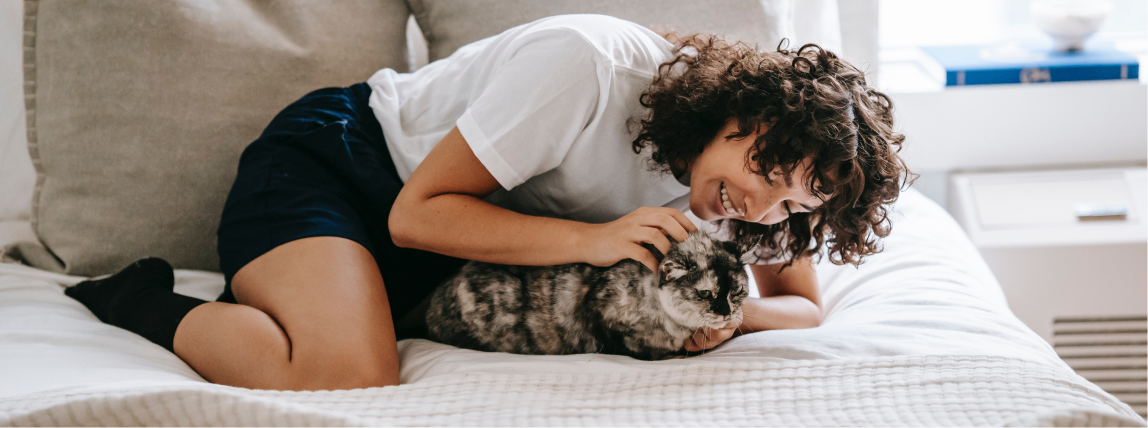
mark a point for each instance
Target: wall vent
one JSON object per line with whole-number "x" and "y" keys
{"x": 1111, "y": 352}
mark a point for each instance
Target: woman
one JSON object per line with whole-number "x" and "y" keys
{"x": 570, "y": 139}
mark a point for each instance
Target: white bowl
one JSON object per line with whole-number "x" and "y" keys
{"x": 1069, "y": 22}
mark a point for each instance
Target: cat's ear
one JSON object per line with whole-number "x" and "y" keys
{"x": 749, "y": 256}
{"x": 671, "y": 270}
{"x": 747, "y": 251}
{"x": 744, "y": 249}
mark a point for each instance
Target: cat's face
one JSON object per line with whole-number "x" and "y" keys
{"x": 703, "y": 281}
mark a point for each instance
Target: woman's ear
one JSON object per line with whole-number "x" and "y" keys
{"x": 682, "y": 170}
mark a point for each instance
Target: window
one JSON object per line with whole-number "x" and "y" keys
{"x": 905, "y": 25}
{"x": 912, "y": 23}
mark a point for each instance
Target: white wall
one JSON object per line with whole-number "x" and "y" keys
{"x": 1001, "y": 126}
{"x": 16, "y": 174}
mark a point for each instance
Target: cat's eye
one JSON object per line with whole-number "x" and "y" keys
{"x": 705, "y": 294}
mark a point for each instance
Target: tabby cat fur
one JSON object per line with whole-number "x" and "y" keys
{"x": 578, "y": 308}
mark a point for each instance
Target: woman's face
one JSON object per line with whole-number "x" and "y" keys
{"x": 723, "y": 186}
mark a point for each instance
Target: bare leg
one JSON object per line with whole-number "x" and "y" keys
{"x": 313, "y": 315}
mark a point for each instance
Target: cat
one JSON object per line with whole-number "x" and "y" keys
{"x": 623, "y": 309}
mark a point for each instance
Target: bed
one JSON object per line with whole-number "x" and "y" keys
{"x": 918, "y": 335}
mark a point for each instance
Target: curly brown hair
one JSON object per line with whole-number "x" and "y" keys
{"x": 815, "y": 106}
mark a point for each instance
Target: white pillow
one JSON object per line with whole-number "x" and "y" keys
{"x": 17, "y": 177}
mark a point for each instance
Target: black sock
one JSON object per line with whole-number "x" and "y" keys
{"x": 139, "y": 299}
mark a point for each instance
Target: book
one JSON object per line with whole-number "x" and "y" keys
{"x": 1013, "y": 63}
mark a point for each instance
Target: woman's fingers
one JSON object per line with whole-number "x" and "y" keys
{"x": 655, "y": 226}
{"x": 691, "y": 345}
{"x": 695, "y": 342}
{"x": 656, "y": 238}
{"x": 706, "y": 338}
{"x": 699, "y": 341}
{"x": 643, "y": 256}
{"x": 683, "y": 220}
{"x": 668, "y": 224}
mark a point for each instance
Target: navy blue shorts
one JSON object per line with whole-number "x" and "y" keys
{"x": 321, "y": 168}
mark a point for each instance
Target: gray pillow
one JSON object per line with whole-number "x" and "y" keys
{"x": 450, "y": 24}
{"x": 138, "y": 110}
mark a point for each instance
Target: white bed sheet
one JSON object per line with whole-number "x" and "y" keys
{"x": 928, "y": 293}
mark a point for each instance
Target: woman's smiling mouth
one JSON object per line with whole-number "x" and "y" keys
{"x": 727, "y": 205}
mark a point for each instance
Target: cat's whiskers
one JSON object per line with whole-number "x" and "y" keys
{"x": 755, "y": 339}
{"x": 743, "y": 314}
{"x": 695, "y": 333}
{"x": 707, "y": 342}
{"x": 752, "y": 317}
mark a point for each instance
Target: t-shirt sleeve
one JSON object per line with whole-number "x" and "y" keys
{"x": 535, "y": 105}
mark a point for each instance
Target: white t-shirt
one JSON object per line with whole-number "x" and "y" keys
{"x": 544, "y": 106}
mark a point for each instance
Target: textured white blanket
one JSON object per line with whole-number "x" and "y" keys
{"x": 915, "y": 390}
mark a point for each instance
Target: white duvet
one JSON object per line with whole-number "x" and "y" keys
{"x": 919, "y": 335}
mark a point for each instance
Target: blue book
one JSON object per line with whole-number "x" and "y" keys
{"x": 987, "y": 65}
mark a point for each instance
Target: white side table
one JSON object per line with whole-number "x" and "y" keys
{"x": 1070, "y": 249}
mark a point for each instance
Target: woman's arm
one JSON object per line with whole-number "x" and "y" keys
{"x": 440, "y": 209}
{"x": 790, "y": 299}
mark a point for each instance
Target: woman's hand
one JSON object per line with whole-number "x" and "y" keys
{"x": 706, "y": 338}
{"x": 609, "y": 243}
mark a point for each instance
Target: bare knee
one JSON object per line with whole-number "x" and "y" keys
{"x": 242, "y": 346}
{"x": 327, "y": 296}
{"x": 233, "y": 345}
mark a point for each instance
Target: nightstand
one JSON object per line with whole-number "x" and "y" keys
{"x": 1069, "y": 249}
{"x": 1067, "y": 243}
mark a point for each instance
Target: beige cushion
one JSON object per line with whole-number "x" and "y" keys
{"x": 450, "y": 24}
{"x": 141, "y": 109}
